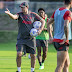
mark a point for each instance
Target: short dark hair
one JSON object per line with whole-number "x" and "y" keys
{"x": 67, "y": 2}
{"x": 41, "y": 9}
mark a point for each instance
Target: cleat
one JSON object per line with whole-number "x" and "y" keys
{"x": 41, "y": 67}
{"x": 16, "y": 71}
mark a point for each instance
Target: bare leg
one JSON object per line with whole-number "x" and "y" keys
{"x": 18, "y": 59}
{"x": 39, "y": 54}
{"x": 33, "y": 60}
{"x": 67, "y": 63}
{"x": 61, "y": 58}
{"x": 45, "y": 49}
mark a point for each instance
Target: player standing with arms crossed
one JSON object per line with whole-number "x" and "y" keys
{"x": 62, "y": 34}
{"x": 25, "y": 42}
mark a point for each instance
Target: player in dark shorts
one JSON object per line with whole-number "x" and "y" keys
{"x": 42, "y": 40}
{"x": 62, "y": 34}
{"x": 25, "y": 42}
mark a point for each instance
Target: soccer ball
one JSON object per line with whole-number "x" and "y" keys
{"x": 37, "y": 24}
{"x": 33, "y": 32}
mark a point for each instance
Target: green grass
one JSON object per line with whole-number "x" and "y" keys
{"x": 8, "y": 59}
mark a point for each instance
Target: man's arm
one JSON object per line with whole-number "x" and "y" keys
{"x": 50, "y": 26}
{"x": 42, "y": 26}
{"x": 67, "y": 19}
{"x": 11, "y": 15}
{"x": 66, "y": 29}
{"x": 42, "y": 21}
{"x": 45, "y": 29}
{"x": 49, "y": 29}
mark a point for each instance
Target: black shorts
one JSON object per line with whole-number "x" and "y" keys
{"x": 59, "y": 47}
{"x": 41, "y": 43}
{"x": 24, "y": 48}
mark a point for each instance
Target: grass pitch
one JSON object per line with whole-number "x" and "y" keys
{"x": 8, "y": 59}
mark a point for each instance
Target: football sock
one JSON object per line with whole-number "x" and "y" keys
{"x": 40, "y": 63}
{"x": 19, "y": 69}
{"x": 32, "y": 69}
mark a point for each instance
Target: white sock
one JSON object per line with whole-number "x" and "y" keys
{"x": 19, "y": 69}
{"x": 32, "y": 69}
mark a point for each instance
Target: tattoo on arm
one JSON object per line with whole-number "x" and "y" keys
{"x": 66, "y": 29}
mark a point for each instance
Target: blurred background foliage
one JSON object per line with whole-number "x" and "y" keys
{"x": 9, "y": 27}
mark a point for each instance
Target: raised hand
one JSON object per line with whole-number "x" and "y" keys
{"x": 7, "y": 12}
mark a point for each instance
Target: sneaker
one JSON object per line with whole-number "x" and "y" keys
{"x": 41, "y": 67}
